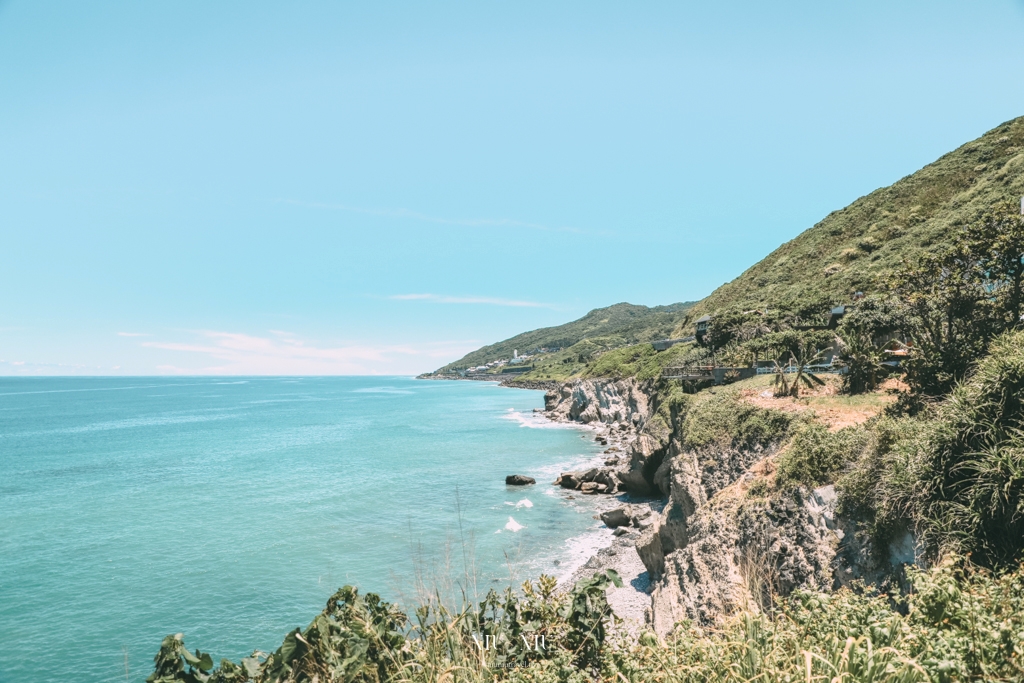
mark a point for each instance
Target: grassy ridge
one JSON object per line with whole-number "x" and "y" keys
{"x": 614, "y": 326}
{"x": 854, "y": 249}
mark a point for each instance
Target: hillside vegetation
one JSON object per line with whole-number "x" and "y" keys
{"x": 855, "y": 249}
{"x": 958, "y": 624}
{"x": 603, "y": 328}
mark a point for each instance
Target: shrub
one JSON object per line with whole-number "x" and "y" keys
{"x": 881, "y": 488}
{"x": 955, "y": 473}
{"x": 360, "y": 639}
{"x": 817, "y": 456}
{"x": 623, "y": 362}
{"x": 961, "y": 624}
{"x": 958, "y": 623}
{"x": 724, "y": 420}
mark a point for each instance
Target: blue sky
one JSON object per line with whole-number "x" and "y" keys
{"x": 349, "y": 188}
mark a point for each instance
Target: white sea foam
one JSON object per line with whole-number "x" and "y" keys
{"x": 579, "y": 549}
{"x": 524, "y": 503}
{"x": 542, "y": 421}
{"x": 513, "y": 526}
{"x": 537, "y": 420}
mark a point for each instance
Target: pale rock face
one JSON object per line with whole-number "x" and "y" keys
{"x": 789, "y": 540}
{"x": 649, "y": 548}
{"x": 711, "y": 549}
{"x": 602, "y": 401}
{"x": 701, "y": 581}
{"x": 645, "y": 457}
{"x": 623, "y": 405}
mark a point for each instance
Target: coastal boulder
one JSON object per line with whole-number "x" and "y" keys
{"x": 568, "y": 480}
{"x": 642, "y": 519}
{"x": 519, "y": 480}
{"x": 616, "y": 518}
{"x": 607, "y": 477}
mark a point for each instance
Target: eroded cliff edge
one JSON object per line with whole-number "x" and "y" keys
{"x": 727, "y": 536}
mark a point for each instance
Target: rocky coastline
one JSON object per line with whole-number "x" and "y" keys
{"x": 688, "y": 541}
{"x": 617, "y": 411}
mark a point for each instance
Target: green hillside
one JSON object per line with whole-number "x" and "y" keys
{"x": 603, "y": 328}
{"x": 851, "y": 250}
{"x": 855, "y": 248}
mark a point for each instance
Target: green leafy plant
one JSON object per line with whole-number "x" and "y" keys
{"x": 587, "y": 614}
{"x": 816, "y": 456}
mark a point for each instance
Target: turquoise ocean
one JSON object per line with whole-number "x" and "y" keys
{"x": 230, "y": 509}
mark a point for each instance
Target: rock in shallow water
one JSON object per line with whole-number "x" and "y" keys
{"x": 568, "y": 480}
{"x": 519, "y": 480}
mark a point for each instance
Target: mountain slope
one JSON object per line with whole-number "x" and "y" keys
{"x": 854, "y": 249}
{"x": 850, "y": 250}
{"x": 610, "y": 327}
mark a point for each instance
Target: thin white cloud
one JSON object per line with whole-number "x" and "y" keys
{"x": 233, "y": 353}
{"x": 21, "y": 367}
{"x": 133, "y": 334}
{"x": 416, "y": 216}
{"x": 490, "y": 301}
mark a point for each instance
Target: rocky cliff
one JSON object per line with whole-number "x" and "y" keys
{"x": 719, "y": 543}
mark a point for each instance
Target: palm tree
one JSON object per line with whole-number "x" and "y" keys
{"x": 805, "y": 356}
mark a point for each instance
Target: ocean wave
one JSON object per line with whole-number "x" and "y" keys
{"x": 381, "y": 390}
{"x": 578, "y": 549}
{"x": 538, "y": 421}
{"x": 131, "y": 423}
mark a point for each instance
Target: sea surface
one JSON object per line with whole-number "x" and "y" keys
{"x": 229, "y": 510}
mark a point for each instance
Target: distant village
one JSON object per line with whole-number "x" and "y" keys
{"x": 516, "y": 364}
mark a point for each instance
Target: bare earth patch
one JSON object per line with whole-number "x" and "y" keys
{"x": 827, "y": 404}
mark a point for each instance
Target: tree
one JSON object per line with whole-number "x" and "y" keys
{"x": 793, "y": 349}
{"x": 949, "y": 305}
{"x": 998, "y": 240}
{"x": 960, "y": 298}
{"x": 867, "y": 331}
{"x": 865, "y": 361}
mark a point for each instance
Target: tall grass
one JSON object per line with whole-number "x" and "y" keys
{"x": 959, "y": 623}
{"x": 954, "y": 475}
